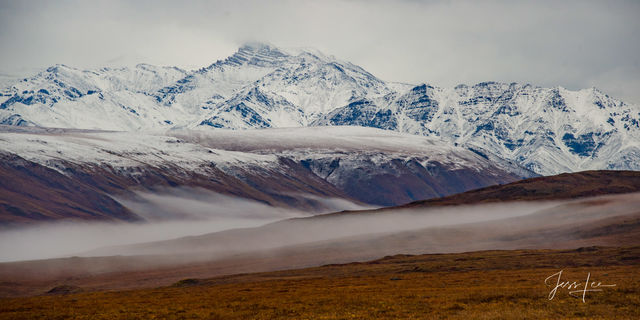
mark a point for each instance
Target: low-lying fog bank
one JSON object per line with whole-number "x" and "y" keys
{"x": 170, "y": 213}
{"x": 211, "y": 226}
{"x": 441, "y": 229}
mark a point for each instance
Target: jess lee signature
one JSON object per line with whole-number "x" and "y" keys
{"x": 574, "y": 288}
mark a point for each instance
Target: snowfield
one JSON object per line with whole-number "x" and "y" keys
{"x": 193, "y": 149}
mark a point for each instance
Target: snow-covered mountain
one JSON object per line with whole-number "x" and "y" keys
{"x": 259, "y": 86}
{"x": 547, "y": 130}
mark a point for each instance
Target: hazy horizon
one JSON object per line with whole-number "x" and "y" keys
{"x": 573, "y": 44}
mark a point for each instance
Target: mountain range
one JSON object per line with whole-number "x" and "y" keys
{"x": 544, "y": 130}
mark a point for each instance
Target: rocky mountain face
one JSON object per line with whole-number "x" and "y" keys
{"x": 546, "y": 130}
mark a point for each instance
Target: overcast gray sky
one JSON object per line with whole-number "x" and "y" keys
{"x": 574, "y": 44}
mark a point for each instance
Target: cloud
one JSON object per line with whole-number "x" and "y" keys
{"x": 184, "y": 203}
{"x": 574, "y": 44}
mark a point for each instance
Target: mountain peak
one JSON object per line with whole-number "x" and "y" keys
{"x": 256, "y": 54}
{"x": 57, "y": 67}
{"x": 257, "y": 46}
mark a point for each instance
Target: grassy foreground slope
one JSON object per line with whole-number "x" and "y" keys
{"x": 477, "y": 285}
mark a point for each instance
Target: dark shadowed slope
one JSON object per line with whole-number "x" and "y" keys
{"x": 562, "y": 186}
{"x": 32, "y": 192}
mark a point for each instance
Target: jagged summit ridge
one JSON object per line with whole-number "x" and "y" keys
{"x": 258, "y": 54}
{"x": 547, "y": 130}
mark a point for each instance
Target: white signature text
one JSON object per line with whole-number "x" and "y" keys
{"x": 575, "y": 288}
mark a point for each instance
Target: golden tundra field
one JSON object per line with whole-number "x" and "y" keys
{"x": 476, "y": 285}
